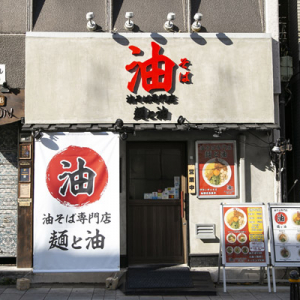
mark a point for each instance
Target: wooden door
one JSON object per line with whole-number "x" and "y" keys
{"x": 154, "y": 230}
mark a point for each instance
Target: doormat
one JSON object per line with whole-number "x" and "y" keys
{"x": 168, "y": 281}
{"x": 141, "y": 278}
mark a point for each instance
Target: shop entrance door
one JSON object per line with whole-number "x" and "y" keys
{"x": 155, "y": 227}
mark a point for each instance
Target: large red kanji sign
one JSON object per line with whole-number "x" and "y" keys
{"x": 76, "y": 176}
{"x": 154, "y": 77}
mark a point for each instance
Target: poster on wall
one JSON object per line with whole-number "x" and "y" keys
{"x": 76, "y": 203}
{"x": 244, "y": 235}
{"x": 216, "y": 169}
{"x": 285, "y": 234}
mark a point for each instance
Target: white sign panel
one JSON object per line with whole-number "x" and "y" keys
{"x": 285, "y": 234}
{"x": 146, "y": 78}
{"x": 76, "y": 203}
{"x": 2, "y": 74}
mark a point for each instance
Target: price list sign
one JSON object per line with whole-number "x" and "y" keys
{"x": 285, "y": 234}
{"x": 244, "y": 239}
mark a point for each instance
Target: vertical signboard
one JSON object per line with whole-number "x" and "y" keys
{"x": 2, "y": 74}
{"x": 285, "y": 234}
{"x": 216, "y": 169}
{"x": 244, "y": 235}
{"x": 76, "y": 203}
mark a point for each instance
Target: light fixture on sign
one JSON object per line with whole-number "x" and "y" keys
{"x": 91, "y": 25}
{"x": 118, "y": 124}
{"x": 181, "y": 120}
{"x": 124, "y": 135}
{"x": 38, "y": 134}
{"x": 169, "y": 25}
{"x": 217, "y": 133}
{"x": 196, "y": 26}
{"x": 129, "y": 25}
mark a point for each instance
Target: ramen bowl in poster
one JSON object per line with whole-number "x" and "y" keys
{"x": 242, "y": 238}
{"x": 235, "y": 219}
{"x": 229, "y": 250}
{"x": 231, "y": 238}
{"x": 216, "y": 172}
{"x": 296, "y": 218}
{"x": 285, "y": 253}
{"x": 282, "y": 237}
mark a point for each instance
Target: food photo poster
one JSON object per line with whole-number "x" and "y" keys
{"x": 285, "y": 234}
{"x": 216, "y": 169}
{"x": 244, "y": 235}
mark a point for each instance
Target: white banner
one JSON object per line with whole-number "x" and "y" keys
{"x": 76, "y": 203}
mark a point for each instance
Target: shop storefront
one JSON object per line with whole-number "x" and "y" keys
{"x": 182, "y": 122}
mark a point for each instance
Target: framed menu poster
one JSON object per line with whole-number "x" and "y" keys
{"x": 244, "y": 239}
{"x": 216, "y": 169}
{"x": 285, "y": 234}
{"x": 244, "y": 235}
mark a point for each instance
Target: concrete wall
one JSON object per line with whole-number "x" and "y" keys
{"x": 149, "y": 16}
{"x": 12, "y": 55}
{"x": 68, "y": 15}
{"x": 230, "y": 15}
{"x": 13, "y": 22}
{"x": 13, "y": 17}
{"x": 86, "y": 82}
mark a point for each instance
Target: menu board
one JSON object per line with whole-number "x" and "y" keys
{"x": 216, "y": 169}
{"x": 285, "y": 234}
{"x": 244, "y": 235}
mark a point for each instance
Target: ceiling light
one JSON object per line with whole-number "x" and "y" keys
{"x": 129, "y": 25}
{"x": 169, "y": 24}
{"x": 91, "y": 25}
{"x": 196, "y": 26}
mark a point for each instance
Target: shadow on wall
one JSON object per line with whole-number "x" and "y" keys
{"x": 258, "y": 160}
{"x": 37, "y": 8}
{"x": 9, "y": 145}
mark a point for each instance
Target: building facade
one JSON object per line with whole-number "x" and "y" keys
{"x": 196, "y": 114}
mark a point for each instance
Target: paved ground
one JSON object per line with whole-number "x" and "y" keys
{"x": 74, "y": 292}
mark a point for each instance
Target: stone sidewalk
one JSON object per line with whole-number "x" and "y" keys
{"x": 94, "y": 292}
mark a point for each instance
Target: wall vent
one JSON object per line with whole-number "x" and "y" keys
{"x": 206, "y": 231}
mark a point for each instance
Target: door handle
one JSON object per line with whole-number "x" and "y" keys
{"x": 181, "y": 204}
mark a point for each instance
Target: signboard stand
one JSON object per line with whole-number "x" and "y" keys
{"x": 285, "y": 236}
{"x": 244, "y": 240}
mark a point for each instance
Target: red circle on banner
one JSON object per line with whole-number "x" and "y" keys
{"x": 76, "y": 176}
{"x": 281, "y": 218}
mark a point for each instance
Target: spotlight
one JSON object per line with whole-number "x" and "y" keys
{"x": 91, "y": 25}
{"x": 38, "y": 134}
{"x": 129, "y": 25}
{"x": 196, "y": 26}
{"x": 169, "y": 25}
{"x": 4, "y": 88}
{"x": 282, "y": 146}
{"x": 181, "y": 120}
{"x": 276, "y": 149}
{"x": 118, "y": 124}
{"x": 217, "y": 133}
{"x": 124, "y": 136}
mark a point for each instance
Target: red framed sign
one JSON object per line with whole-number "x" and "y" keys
{"x": 244, "y": 235}
{"x": 216, "y": 169}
